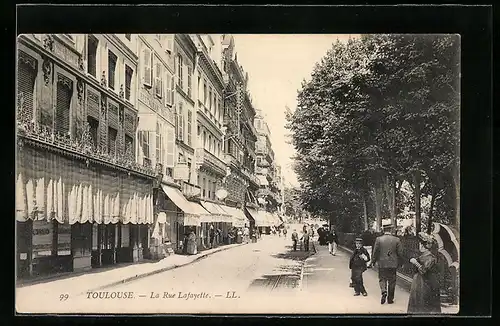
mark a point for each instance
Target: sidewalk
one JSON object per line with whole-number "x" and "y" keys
{"x": 103, "y": 278}
{"x": 330, "y": 275}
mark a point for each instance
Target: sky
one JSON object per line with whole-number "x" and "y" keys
{"x": 276, "y": 66}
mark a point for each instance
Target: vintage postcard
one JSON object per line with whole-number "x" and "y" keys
{"x": 237, "y": 174}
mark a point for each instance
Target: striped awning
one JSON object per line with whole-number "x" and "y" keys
{"x": 217, "y": 214}
{"x": 238, "y": 216}
{"x": 192, "y": 211}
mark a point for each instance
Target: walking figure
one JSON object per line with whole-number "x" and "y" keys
{"x": 357, "y": 265}
{"x": 332, "y": 241}
{"x": 305, "y": 238}
{"x": 387, "y": 252}
{"x": 295, "y": 238}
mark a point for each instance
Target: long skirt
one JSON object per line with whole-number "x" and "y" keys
{"x": 424, "y": 295}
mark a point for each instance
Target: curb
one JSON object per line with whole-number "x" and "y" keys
{"x": 301, "y": 280}
{"x": 158, "y": 271}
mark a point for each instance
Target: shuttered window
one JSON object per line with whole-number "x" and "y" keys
{"x": 180, "y": 122}
{"x": 205, "y": 92}
{"x": 189, "y": 81}
{"x": 168, "y": 88}
{"x": 64, "y": 92}
{"x": 128, "y": 81}
{"x": 111, "y": 69}
{"x": 159, "y": 150}
{"x": 145, "y": 148}
{"x": 179, "y": 71}
{"x": 146, "y": 73}
{"x": 189, "y": 133}
{"x": 92, "y": 44}
{"x": 26, "y": 79}
{"x": 158, "y": 78}
{"x": 94, "y": 127}
{"x": 170, "y": 159}
{"x": 169, "y": 43}
{"x": 129, "y": 146}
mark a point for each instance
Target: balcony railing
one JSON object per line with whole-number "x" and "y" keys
{"x": 83, "y": 146}
{"x": 211, "y": 161}
{"x": 251, "y": 176}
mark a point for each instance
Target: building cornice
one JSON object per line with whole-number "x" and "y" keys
{"x": 187, "y": 45}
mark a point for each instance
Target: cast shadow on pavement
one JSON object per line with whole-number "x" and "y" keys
{"x": 298, "y": 255}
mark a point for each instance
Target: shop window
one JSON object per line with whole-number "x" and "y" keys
{"x": 112, "y": 59}
{"x": 81, "y": 235}
{"x": 92, "y": 44}
{"x": 26, "y": 79}
{"x": 63, "y": 104}
{"x": 128, "y": 81}
{"x": 43, "y": 239}
{"x": 63, "y": 239}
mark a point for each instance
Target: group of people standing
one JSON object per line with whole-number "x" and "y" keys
{"x": 388, "y": 254}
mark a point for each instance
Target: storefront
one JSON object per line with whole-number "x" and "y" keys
{"x": 188, "y": 218}
{"x": 74, "y": 215}
{"x": 220, "y": 219}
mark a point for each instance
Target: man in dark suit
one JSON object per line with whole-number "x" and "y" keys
{"x": 388, "y": 253}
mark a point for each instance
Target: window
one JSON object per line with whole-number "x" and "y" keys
{"x": 128, "y": 37}
{"x": 169, "y": 43}
{"x": 144, "y": 143}
{"x": 169, "y": 92}
{"x": 209, "y": 143}
{"x": 204, "y": 92}
{"x": 159, "y": 145}
{"x": 213, "y": 189}
{"x": 111, "y": 69}
{"x": 179, "y": 70}
{"x": 189, "y": 82}
{"x": 94, "y": 127}
{"x": 63, "y": 103}
{"x": 199, "y": 86}
{"x": 203, "y": 187}
{"x": 189, "y": 117}
{"x": 204, "y": 140}
{"x": 209, "y": 99}
{"x": 180, "y": 122}
{"x": 209, "y": 189}
{"x": 189, "y": 169}
{"x": 128, "y": 81}
{"x": 92, "y": 44}
{"x": 146, "y": 73}
{"x": 112, "y": 134}
{"x": 129, "y": 145}
{"x": 26, "y": 78}
{"x": 170, "y": 159}
{"x": 158, "y": 79}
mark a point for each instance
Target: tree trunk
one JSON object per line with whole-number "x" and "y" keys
{"x": 431, "y": 209}
{"x": 378, "y": 208}
{"x": 418, "y": 221}
{"x": 365, "y": 214}
{"x": 390, "y": 194}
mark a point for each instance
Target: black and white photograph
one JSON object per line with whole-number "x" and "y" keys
{"x": 238, "y": 173}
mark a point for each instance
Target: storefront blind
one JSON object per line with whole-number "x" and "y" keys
{"x": 63, "y": 103}
{"x": 27, "y": 71}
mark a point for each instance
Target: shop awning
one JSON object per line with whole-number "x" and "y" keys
{"x": 238, "y": 216}
{"x": 192, "y": 211}
{"x": 260, "y": 219}
{"x": 217, "y": 214}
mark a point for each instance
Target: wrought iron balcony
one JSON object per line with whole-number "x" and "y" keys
{"x": 83, "y": 146}
{"x": 209, "y": 160}
{"x": 250, "y": 176}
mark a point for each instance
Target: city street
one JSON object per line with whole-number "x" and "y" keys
{"x": 263, "y": 277}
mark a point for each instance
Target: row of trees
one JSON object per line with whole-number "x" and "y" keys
{"x": 380, "y": 111}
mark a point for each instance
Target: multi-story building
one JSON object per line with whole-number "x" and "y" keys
{"x": 269, "y": 174}
{"x": 240, "y": 134}
{"x": 81, "y": 199}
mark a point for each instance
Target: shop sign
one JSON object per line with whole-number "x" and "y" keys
{"x": 181, "y": 172}
{"x": 43, "y": 236}
{"x": 63, "y": 239}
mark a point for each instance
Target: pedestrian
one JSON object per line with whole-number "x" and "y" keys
{"x": 305, "y": 238}
{"x": 295, "y": 238}
{"x": 246, "y": 233}
{"x": 332, "y": 241}
{"x": 424, "y": 293}
{"x": 387, "y": 252}
{"x": 211, "y": 235}
{"x": 357, "y": 265}
{"x": 284, "y": 232}
{"x": 191, "y": 244}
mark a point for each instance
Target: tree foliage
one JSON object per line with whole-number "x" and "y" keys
{"x": 376, "y": 110}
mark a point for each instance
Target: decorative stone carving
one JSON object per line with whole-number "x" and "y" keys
{"x": 81, "y": 65}
{"x": 122, "y": 93}
{"x": 27, "y": 60}
{"x": 47, "y": 70}
{"x": 121, "y": 116}
{"x": 48, "y": 42}
{"x": 79, "y": 89}
{"x": 103, "y": 78}
{"x": 103, "y": 107}
{"x": 86, "y": 141}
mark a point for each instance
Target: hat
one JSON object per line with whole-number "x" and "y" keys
{"x": 358, "y": 239}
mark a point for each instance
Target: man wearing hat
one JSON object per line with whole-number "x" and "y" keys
{"x": 357, "y": 265}
{"x": 388, "y": 253}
